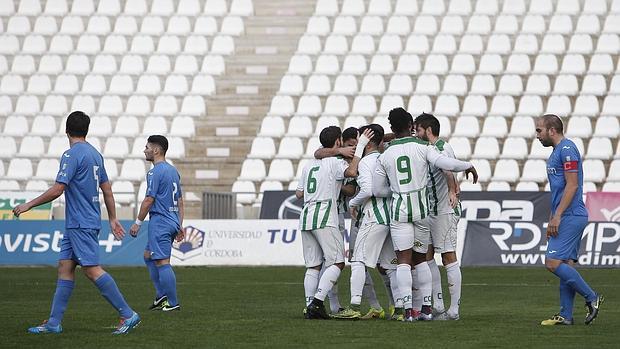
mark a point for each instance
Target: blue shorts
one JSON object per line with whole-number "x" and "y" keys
{"x": 80, "y": 245}
{"x": 565, "y": 246}
{"x": 161, "y": 233}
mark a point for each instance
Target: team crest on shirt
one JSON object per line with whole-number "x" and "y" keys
{"x": 190, "y": 246}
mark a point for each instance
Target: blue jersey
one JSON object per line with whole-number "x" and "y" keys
{"x": 164, "y": 185}
{"x": 565, "y": 158}
{"x": 82, "y": 172}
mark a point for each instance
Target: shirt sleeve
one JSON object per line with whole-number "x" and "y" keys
{"x": 152, "y": 183}
{"x": 68, "y": 168}
{"x": 364, "y": 180}
{"x": 570, "y": 158}
{"x": 301, "y": 182}
{"x": 435, "y": 158}
{"x": 103, "y": 174}
{"x": 339, "y": 167}
{"x": 380, "y": 185}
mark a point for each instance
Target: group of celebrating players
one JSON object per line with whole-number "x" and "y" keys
{"x": 403, "y": 200}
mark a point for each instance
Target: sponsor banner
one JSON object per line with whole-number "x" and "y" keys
{"x": 603, "y": 206}
{"x": 509, "y": 243}
{"x": 241, "y": 242}
{"x": 9, "y": 199}
{"x": 38, "y": 243}
{"x": 509, "y": 206}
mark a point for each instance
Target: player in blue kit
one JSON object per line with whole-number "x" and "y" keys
{"x": 80, "y": 177}
{"x": 567, "y": 221}
{"x": 164, "y": 204}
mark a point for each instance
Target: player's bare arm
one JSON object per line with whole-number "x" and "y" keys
{"x": 50, "y": 195}
{"x": 569, "y": 192}
{"x": 452, "y": 188}
{"x": 144, "y": 210}
{"x": 323, "y": 153}
{"x": 299, "y": 194}
{"x": 181, "y": 234}
{"x": 108, "y": 199}
{"x": 348, "y": 190}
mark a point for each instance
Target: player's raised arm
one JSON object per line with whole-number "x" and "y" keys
{"x": 362, "y": 141}
{"x": 323, "y": 153}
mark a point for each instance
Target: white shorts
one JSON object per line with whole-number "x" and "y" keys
{"x": 414, "y": 235}
{"x": 443, "y": 232}
{"x": 322, "y": 246}
{"x": 368, "y": 243}
{"x": 387, "y": 257}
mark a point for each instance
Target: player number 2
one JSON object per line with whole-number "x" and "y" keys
{"x": 311, "y": 188}
{"x": 403, "y": 165}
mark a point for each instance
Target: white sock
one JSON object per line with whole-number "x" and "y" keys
{"x": 327, "y": 281}
{"x": 388, "y": 287}
{"x": 311, "y": 282}
{"x": 437, "y": 291}
{"x": 454, "y": 285}
{"x": 357, "y": 282}
{"x": 425, "y": 282}
{"x": 396, "y": 294}
{"x": 369, "y": 292}
{"x": 334, "y": 299}
{"x": 416, "y": 294}
{"x": 403, "y": 277}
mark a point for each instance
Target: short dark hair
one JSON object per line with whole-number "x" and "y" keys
{"x": 426, "y": 120}
{"x": 377, "y": 129}
{"x": 400, "y": 120}
{"x": 160, "y": 140}
{"x": 349, "y": 133}
{"x": 77, "y": 124}
{"x": 329, "y": 135}
{"x": 553, "y": 121}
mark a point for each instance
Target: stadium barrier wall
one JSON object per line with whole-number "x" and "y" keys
{"x": 278, "y": 242}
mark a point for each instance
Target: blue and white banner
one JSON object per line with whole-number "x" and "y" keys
{"x": 38, "y": 243}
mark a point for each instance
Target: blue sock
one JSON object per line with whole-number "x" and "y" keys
{"x": 567, "y": 298}
{"x": 154, "y": 273}
{"x": 112, "y": 294}
{"x": 168, "y": 282}
{"x": 573, "y": 279}
{"x": 61, "y": 298}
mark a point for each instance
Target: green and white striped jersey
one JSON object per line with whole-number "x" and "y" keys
{"x": 343, "y": 201}
{"x": 405, "y": 166}
{"x": 321, "y": 181}
{"x": 373, "y": 209}
{"x": 437, "y": 189}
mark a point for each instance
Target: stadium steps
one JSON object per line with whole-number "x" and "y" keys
{"x": 243, "y": 95}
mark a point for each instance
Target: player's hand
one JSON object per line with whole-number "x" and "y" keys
{"x": 353, "y": 211}
{"x": 453, "y": 199}
{"x": 347, "y": 152}
{"x": 134, "y": 230}
{"x": 553, "y": 226}
{"x": 19, "y": 209}
{"x": 180, "y": 235}
{"x": 474, "y": 173}
{"x": 117, "y": 229}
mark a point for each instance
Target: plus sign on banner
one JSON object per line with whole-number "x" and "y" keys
{"x": 38, "y": 242}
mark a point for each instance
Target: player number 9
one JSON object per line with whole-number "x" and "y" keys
{"x": 403, "y": 165}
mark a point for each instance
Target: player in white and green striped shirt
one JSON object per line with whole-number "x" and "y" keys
{"x": 403, "y": 167}
{"x": 445, "y": 211}
{"x": 322, "y": 242}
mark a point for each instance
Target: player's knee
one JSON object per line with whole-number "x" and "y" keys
{"x": 382, "y": 271}
{"x": 94, "y": 272}
{"x": 551, "y": 265}
{"x": 160, "y": 262}
{"x": 448, "y": 258}
{"x": 339, "y": 265}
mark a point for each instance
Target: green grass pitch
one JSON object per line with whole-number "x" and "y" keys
{"x": 262, "y": 307}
